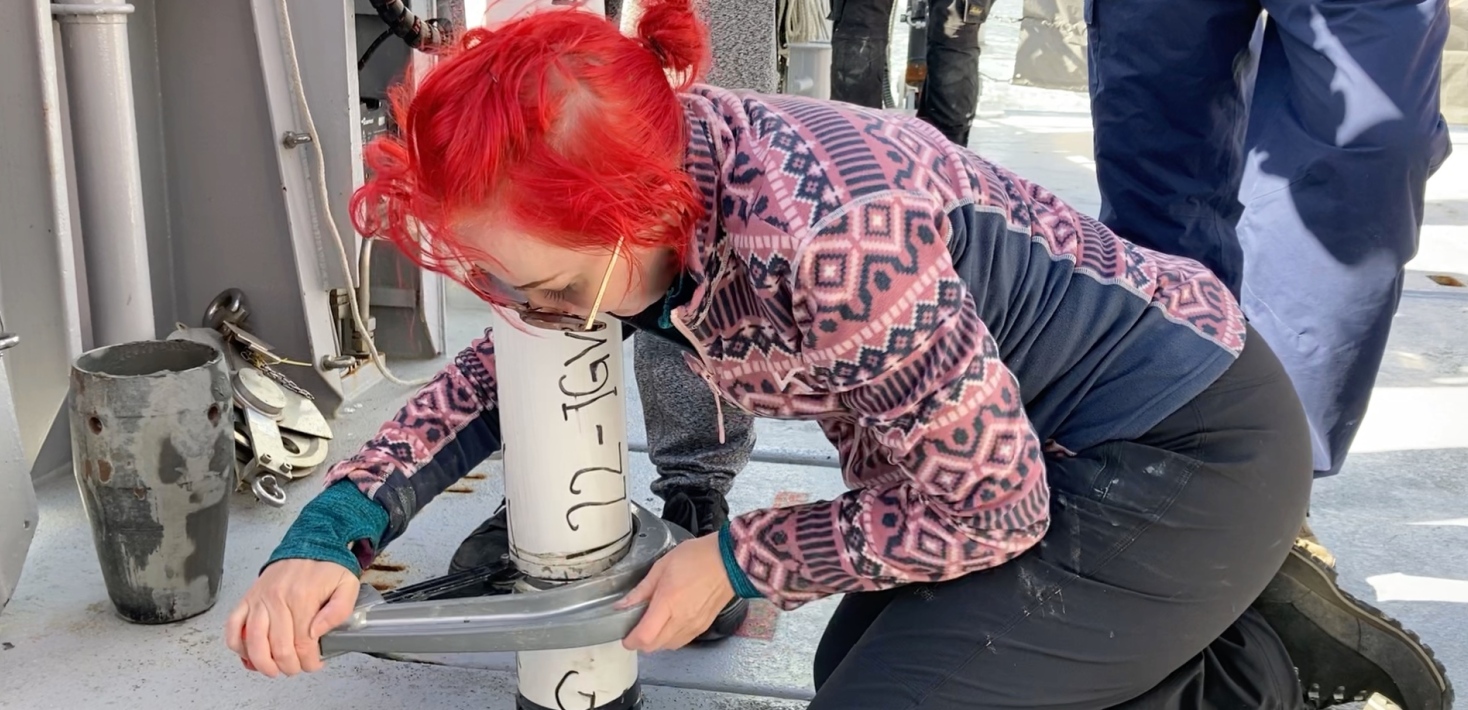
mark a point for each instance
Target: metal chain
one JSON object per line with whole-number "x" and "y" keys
{"x": 257, "y": 361}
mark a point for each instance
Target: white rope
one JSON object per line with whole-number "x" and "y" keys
{"x": 324, "y": 198}
{"x": 805, "y": 20}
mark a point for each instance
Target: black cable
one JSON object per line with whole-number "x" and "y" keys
{"x": 362, "y": 61}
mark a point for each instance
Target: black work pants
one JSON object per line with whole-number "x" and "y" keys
{"x": 949, "y": 97}
{"x": 1137, "y": 597}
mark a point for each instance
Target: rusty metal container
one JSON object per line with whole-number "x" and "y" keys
{"x": 153, "y": 453}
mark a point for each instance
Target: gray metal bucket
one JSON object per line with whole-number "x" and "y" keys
{"x": 153, "y": 453}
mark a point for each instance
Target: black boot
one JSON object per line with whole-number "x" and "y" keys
{"x": 698, "y": 512}
{"x": 1344, "y": 649}
{"x": 703, "y": 513}
{"x": 487, "y": 552}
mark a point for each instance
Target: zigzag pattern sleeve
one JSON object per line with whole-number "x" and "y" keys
{"x": 446, "y": 429}
{"x": 949, "y": 470}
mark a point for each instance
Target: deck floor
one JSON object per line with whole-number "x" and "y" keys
{"x": 1397, "y": 518}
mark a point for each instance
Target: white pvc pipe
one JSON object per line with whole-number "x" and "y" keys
{"x": 596, "y": 677}
{"x": 563, "y": 420}
{"x": 564, "y": 425}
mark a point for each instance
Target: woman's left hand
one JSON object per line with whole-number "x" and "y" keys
{"x": 684, "y": 591}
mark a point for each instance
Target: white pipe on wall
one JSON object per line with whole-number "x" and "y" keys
{"x": 109, "y": 179}
{"x": 564, "y": 423}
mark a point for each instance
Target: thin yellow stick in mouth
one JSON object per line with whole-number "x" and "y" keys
{"x": 600, "y": 292}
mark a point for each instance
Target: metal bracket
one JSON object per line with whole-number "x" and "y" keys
{"x": 916, "y": 15}
{"x": 571, "y": 615}
{"x": 7, "y": 340}
{"x": 292, "y": 139}
{"x": 338, "y": 362}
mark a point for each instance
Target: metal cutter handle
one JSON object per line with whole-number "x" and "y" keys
{"x": 572, "y": 615}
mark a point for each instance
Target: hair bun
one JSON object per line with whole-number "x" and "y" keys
{"x": 674, "y": 33}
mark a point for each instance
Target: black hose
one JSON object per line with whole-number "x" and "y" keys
{"x": 372, "y": 48}
{"x": 420, "y": 34}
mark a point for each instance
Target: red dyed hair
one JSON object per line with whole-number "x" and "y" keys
{"x": 555, "y": 123}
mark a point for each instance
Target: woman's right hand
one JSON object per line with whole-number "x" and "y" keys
{"x": 276, "y": 627}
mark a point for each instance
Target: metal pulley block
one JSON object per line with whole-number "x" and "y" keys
{"x": 280, "y": 435}
{"x": 283, "y": 434}
{"x": 267, "y": 466}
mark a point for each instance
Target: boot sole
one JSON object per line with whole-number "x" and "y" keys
{"x": 727, "y": 623}
{"x": 1374, "y": 635}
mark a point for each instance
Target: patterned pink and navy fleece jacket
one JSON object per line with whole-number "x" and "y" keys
{"x": 945, "y": 321}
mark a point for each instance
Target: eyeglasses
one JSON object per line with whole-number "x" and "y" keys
{"x": 496, "y": 291}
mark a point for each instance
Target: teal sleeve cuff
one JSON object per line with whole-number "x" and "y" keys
{"x": 743, "y": 588}
{"x": 331, "y": 525}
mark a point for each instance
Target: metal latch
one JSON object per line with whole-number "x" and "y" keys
{"x": 8, "y": 340}
{"x": 916, "y": 16}
{"x": 571, "y": 615}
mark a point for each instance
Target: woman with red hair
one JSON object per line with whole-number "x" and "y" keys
{"x": 1074, "y": 473}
